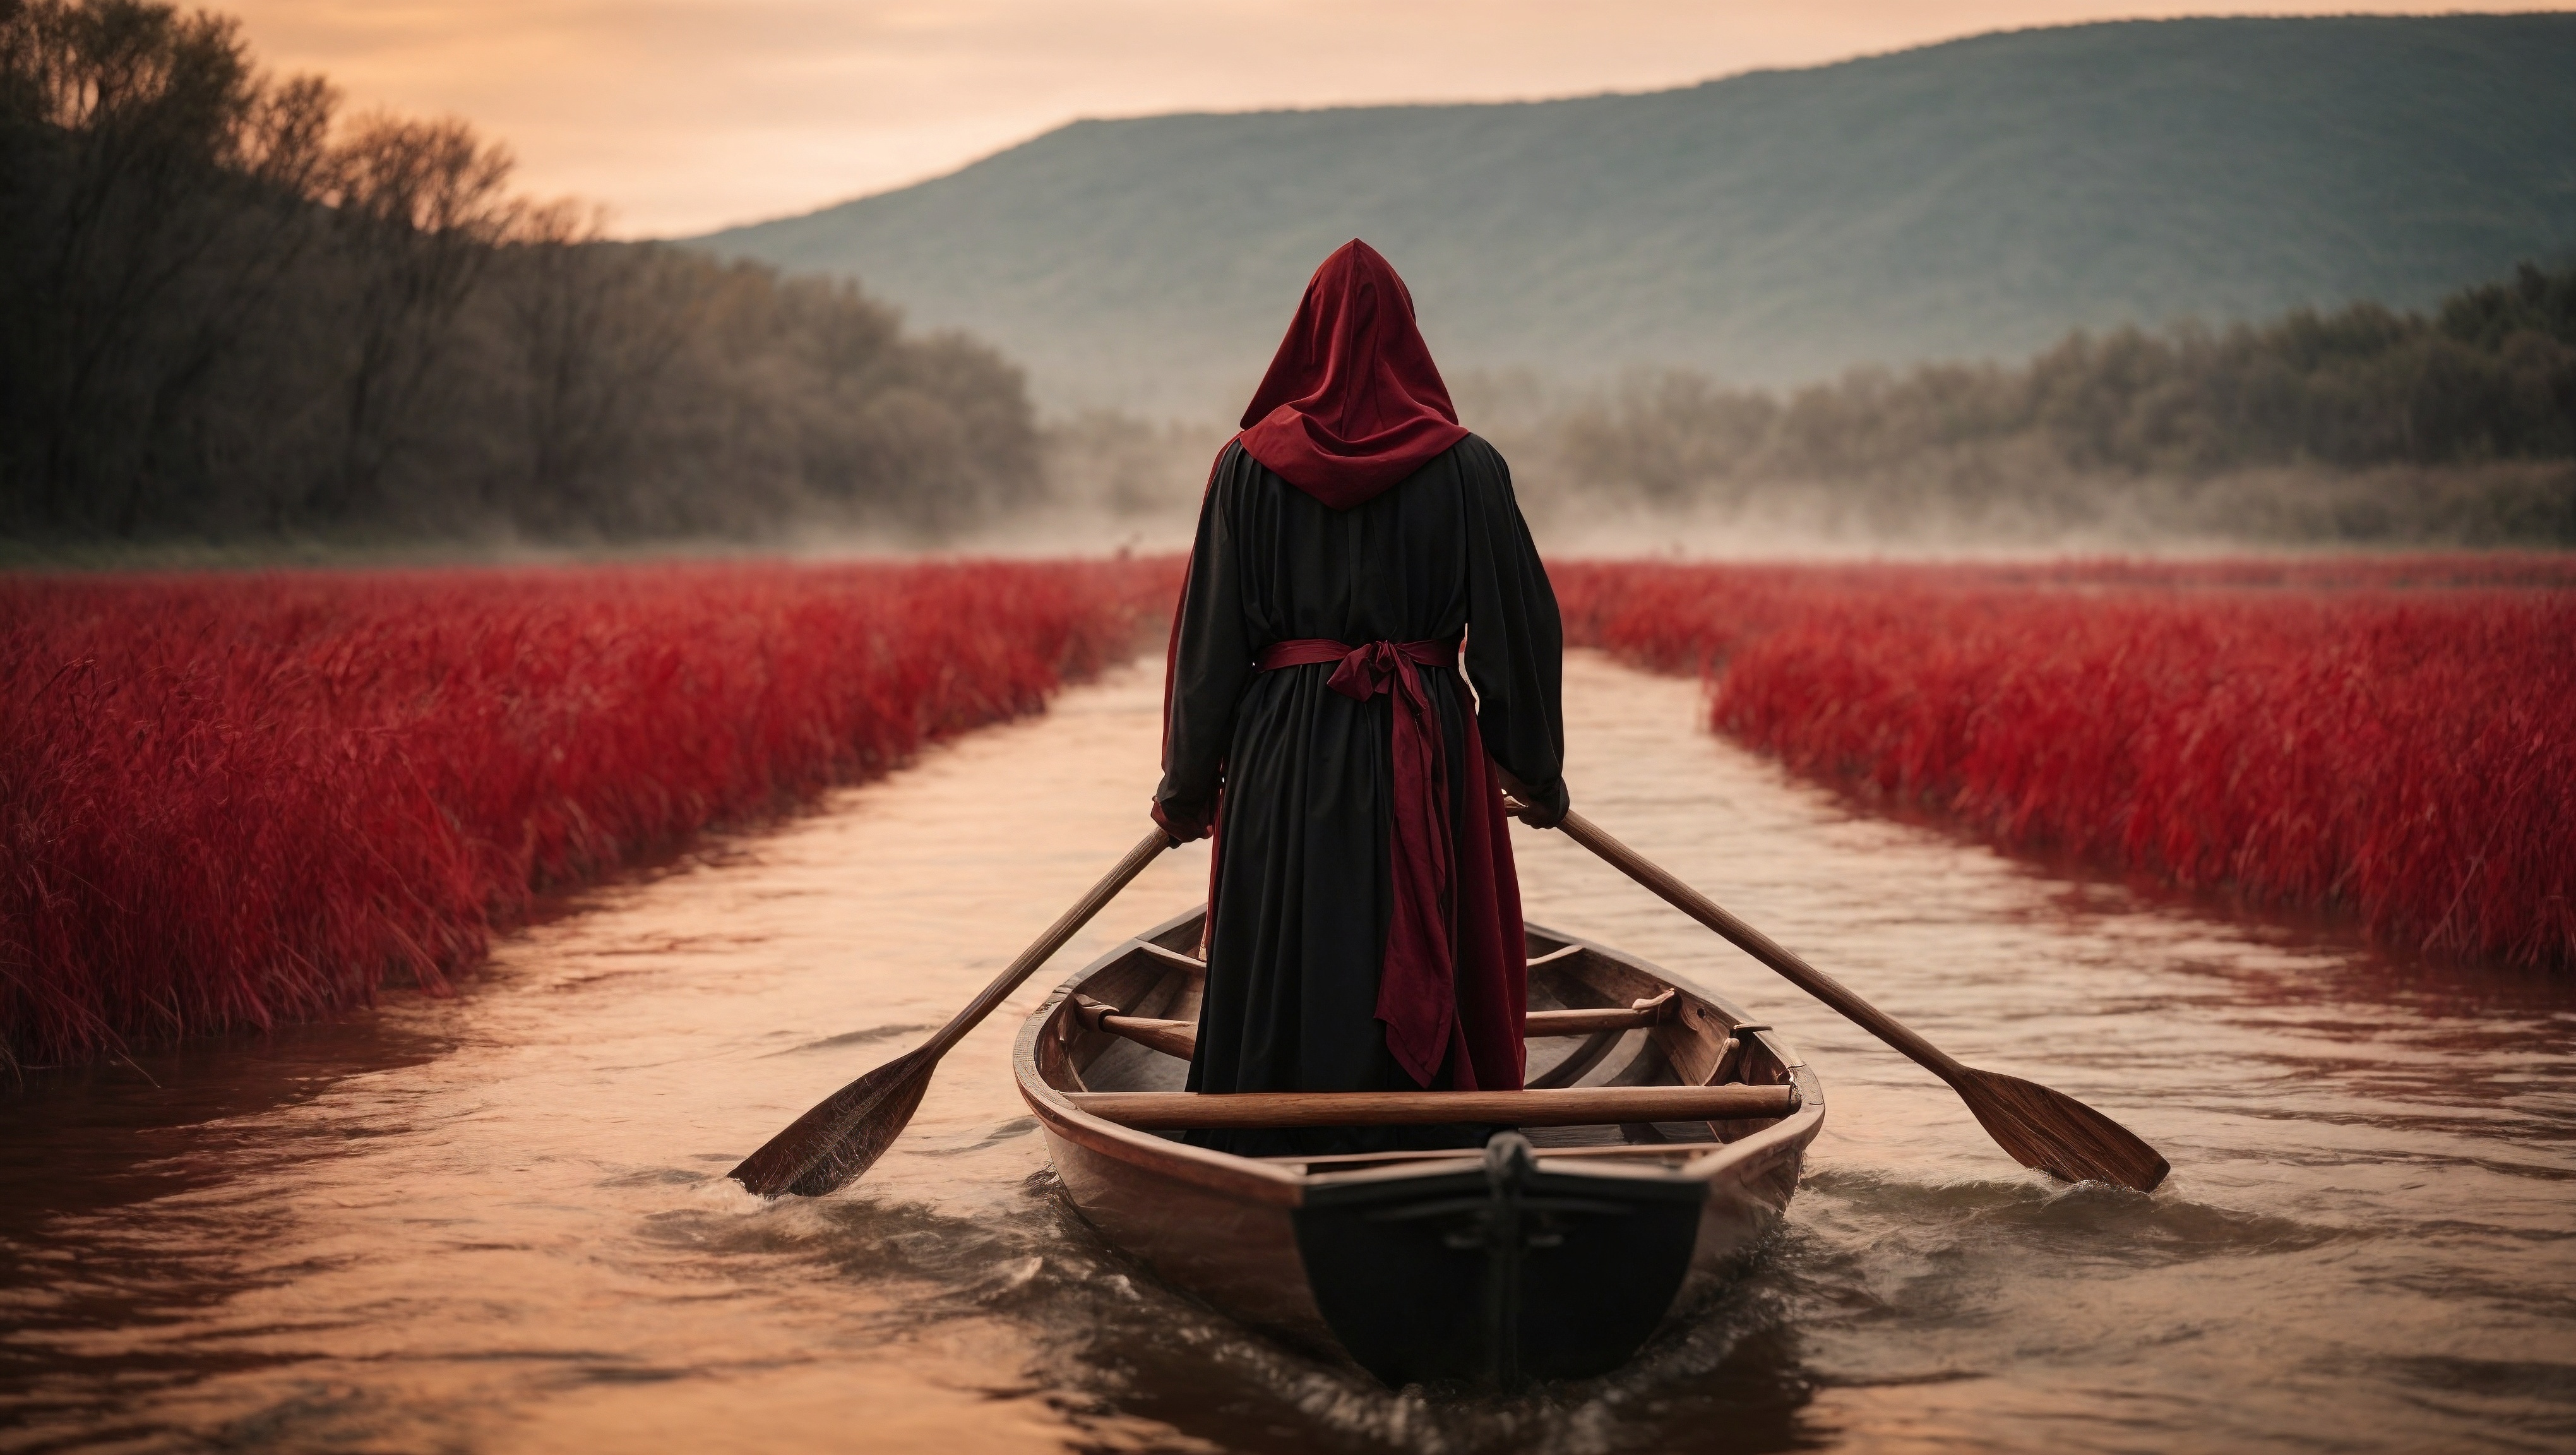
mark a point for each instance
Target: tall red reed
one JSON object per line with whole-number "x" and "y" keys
{"x": 237, "y": 800}
{"x": 2393, "y": 738}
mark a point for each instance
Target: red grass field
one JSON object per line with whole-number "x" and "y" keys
{"x": 2389, "y": 738}
{"x": 231, "y": 800}
{"x": 237, "y": 800}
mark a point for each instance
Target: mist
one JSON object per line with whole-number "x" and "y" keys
{"x": 2360, "y": 427}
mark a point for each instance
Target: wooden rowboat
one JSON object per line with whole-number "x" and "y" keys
{"x": 1662, "y": 1134}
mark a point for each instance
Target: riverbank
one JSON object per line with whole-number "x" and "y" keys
{"x": 2391, "y": 740}
{"x": 241, "y": 799}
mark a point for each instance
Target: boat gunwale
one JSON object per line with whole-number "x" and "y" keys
{"x": 1274, "y": 1184}
{"x": 1220, "y": 1172}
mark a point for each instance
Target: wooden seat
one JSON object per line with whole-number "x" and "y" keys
{"x": 1180, "y": 1038}
{"x": 1560, "y": 1107}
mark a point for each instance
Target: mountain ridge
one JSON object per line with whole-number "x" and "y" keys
{"x": 1975, "y": 198}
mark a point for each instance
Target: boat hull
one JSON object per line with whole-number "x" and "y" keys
{"x": 1234, "y": 1251}
{"x": 1518, "y": 1263}
{"x": 1500, "y": 1272}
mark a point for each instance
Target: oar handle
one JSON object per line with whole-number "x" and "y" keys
{"x": 1065, "y": 928}
{"x": 1763, "y": 948}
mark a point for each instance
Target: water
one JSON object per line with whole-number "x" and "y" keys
{"x": 500, "y": 1222}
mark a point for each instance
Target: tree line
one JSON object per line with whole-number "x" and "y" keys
{"x": 2359, "y": 425}
{"x": 2384, "y": 423}
{"x": 228, "y": 309}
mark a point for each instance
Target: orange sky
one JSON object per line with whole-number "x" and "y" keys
{"x": 683, "y": 115}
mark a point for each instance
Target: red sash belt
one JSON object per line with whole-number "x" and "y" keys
{"x": 1416, "y": 997}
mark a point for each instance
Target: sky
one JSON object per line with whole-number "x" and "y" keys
{"x": 681, "y": 116}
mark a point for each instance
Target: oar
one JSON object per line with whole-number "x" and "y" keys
{"x": 827, "y": 1148}
{"x": 2041, "y": 1128}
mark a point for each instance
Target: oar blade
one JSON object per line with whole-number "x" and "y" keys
{"x": 827, "y": 1148}
{"x": 2057, "y": 1134}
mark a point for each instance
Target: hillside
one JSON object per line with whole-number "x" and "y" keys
{"x": 1972, "y": 199}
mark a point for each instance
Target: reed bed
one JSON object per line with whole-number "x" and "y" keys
{"x": 2388, "y": 738}
{"x": 236, "y": 800}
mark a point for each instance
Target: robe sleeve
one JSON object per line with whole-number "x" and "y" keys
{"x": 1211, "y": 663}
{"x": 1515, "y": 640}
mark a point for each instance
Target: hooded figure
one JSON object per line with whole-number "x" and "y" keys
{"x": 1365, "y": 928}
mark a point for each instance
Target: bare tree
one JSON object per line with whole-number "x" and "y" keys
{"x": 146, "y": 159}
{"x": 421, "y": 207}
{"x": 597, "y": 328}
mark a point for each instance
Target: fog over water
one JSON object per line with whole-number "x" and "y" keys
{"x": 500, "y": 1222}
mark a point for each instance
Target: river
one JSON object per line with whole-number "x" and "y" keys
{"x": 499, "y": 1222}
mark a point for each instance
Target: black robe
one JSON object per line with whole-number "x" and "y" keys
{"x": 1302, "y": 892}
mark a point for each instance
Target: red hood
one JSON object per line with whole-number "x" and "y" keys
{"x": 1352, "y": 403}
